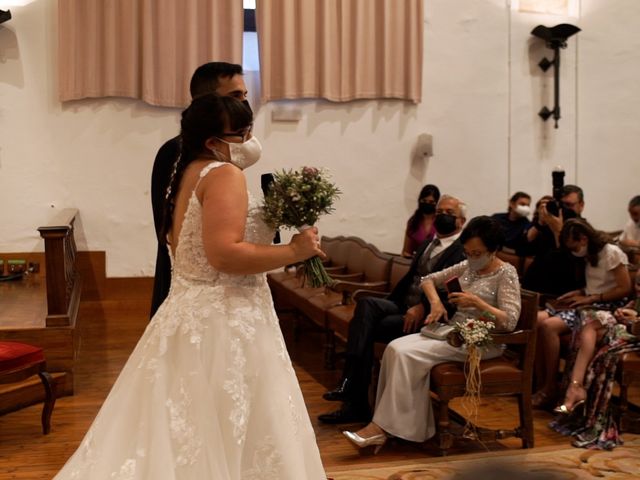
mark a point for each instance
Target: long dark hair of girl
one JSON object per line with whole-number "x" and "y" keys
{"x": 576, "y": 228}
{"x": 207, "y": 116}
{"x": 427, "y": 191}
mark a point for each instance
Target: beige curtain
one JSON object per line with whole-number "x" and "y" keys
{"x": 340, "y": 50}
{"x": 145, "y": 49}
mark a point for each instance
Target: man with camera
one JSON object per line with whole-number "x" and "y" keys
{"x": 551, "y": 213}
{"x": 554, "y": 271}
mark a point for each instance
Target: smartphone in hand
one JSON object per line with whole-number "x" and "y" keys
{"x": 453, "y": 285}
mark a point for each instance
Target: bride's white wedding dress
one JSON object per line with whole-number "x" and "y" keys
{"x": 209, "y": 393}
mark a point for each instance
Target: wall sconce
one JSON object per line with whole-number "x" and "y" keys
{"x": 5, "y": 15}
{"x": 555, "y": 38}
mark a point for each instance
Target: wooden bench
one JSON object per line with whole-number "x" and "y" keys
{"x": 353, "y": 264}
{"x": 55, "y": 330}
{"x": 339, "y": 317}
{"x": 285, "y": 282}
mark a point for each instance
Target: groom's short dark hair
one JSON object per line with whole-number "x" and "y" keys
{"x": 206, "y": 78}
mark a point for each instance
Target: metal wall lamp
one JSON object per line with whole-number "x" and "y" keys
{"x": 555, "y": 38}
{"x": 5, "y": 15}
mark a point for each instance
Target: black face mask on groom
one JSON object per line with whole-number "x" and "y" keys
{"x": 445, "y": 224}
{"x": 246, "y": 104}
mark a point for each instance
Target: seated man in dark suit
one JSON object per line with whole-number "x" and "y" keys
{"x": 214, "y": 77}
{"x": 401, "y": 313}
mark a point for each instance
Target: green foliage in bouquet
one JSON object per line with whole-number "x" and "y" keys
{"x": 297, "y": 199}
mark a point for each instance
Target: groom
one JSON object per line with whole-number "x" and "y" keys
{"x": 214, "y": 77}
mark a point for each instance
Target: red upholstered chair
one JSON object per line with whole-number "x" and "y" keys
{"x": 19, "y": 361}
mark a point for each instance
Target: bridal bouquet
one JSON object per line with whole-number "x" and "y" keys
{"x": 474, "y": 334}
{"x": 296, "y": 199}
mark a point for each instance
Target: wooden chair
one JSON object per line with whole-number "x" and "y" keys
{"x": 628, "y": 372}
{"x": 521, "y": 263}
{"x": 510, "y": 374}
{"x": 18, "y": 362}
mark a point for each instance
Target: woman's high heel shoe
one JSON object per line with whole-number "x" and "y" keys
{"x": 563, "y": 409}
{"x": 376, "y": 442}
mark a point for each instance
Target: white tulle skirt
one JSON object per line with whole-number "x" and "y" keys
{"x": 208, "y": 393}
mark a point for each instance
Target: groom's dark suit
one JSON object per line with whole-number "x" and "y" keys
{"x": 160, "y": 178}
{"x": 381, "y": 320}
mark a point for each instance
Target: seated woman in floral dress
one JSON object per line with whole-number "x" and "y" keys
{"x": 607, "y": 285}
{"x": 602, "y": 341}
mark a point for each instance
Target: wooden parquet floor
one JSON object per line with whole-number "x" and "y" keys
{"x": 110, "y": 329}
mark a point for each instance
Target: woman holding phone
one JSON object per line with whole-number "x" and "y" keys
{"x": 489, "y": 285}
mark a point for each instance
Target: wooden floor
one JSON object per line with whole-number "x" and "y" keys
{"x": 109, "y": 330}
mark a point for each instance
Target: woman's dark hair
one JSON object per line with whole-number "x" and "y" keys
{"x": 428, "y": 190}
{"x": 576, "y": 228}
{"x": 487, "y": 230}
{"x": 518, "y": 195}
{"x": 207, "y": 116}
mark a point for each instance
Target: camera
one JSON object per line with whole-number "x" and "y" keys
{"x": 557, "y": 180}
{"x": 554, "y": 207}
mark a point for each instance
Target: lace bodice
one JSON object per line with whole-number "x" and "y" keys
{"x": 190, "y": 261}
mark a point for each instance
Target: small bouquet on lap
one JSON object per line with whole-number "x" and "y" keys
{"x": 297, "y": 199}
{"x": 474, "y": 333}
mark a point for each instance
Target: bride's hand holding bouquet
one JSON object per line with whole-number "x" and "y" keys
{"x": 306, "y": 244}
{"x": 296, "y": 199}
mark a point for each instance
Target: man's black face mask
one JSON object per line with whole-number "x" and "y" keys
{"x": 246, "y": 104}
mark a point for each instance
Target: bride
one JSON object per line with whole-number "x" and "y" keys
{"x": 209, "y": 392}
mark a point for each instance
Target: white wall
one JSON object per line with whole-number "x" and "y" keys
{"x": 481, "y": 94}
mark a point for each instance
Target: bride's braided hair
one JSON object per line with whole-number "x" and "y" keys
{"x": 208, "y": 116}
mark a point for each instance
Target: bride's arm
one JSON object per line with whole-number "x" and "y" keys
{"x": 223, "y": 195}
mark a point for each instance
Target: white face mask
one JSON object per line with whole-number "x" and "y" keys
{"x": 244, "y": 154}
{"x": 480, "y": 262}
{"x": 523, "y": 210}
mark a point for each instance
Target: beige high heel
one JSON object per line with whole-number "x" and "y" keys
{"x": 563, "y": 409}
{"x": 376, "y": 442}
